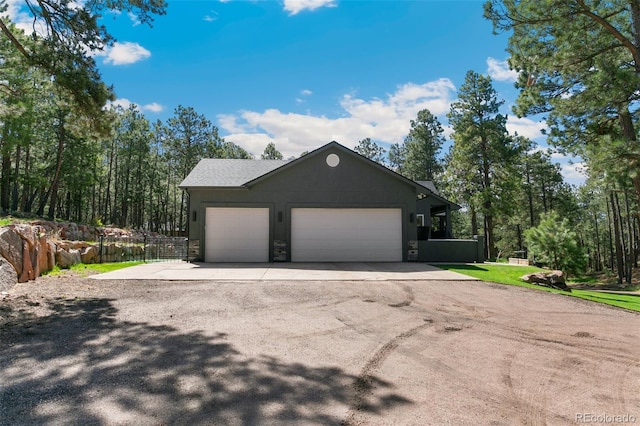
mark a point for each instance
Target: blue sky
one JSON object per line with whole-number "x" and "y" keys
{"x": 301, "y": 73}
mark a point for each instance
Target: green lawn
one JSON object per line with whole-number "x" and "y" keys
{"x": 94, "y": 268}
{"x": 506, "y": 274}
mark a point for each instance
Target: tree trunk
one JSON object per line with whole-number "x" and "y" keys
{"x": 630, "y": 243}
{"x": 486, "y": 203}
{"x": 618, "y": 242}
{"x": 532, "y": 219}
{"x": 598, "y": 254}
{"x": 26, "y": 188}
{"x": 474, "y": 221}
{"x": 52, "y": 193}
{"x": 16, "y": 173}
{"x": 5, "y": 173}
{"x": 628, "y": 128}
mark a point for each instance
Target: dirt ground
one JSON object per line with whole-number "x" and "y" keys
{"x": 81, "y": 351}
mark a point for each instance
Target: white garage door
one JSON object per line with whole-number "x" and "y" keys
{"x": 237, "y": 234}
{"x": 346, "y": 235}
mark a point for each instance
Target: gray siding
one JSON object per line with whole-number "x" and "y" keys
{"x": 354, "y": 183}
{"x": 455, "y": 251}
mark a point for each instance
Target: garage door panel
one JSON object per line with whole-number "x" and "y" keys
{"x": 350, "y": 235}
{"x": 237, "y": 234}
{"x": 348, "y": 255}
{"x": 236, "y": 256}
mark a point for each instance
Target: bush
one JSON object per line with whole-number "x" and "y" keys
{"x": 554, "y": 244}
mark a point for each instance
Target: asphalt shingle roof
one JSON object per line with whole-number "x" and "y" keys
{"x": 226, "y": 172}
{"x": 429, "y": 185}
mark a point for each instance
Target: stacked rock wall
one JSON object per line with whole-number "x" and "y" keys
{"x": 29, "y": 250}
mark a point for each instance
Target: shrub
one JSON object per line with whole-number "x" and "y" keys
{"x": 554, "y": 244}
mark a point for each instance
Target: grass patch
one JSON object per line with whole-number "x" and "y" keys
{"x": 93, "y": 268}
{"x": 511, "y": 275}
{"x": 101, "y": 268}
{"x": 7, "y": 220}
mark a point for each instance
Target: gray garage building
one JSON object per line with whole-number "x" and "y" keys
{"x": 330, "y": 205}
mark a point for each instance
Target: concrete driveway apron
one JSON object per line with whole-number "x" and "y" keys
{"x": 183, "y": 271}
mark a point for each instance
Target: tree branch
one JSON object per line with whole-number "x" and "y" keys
{"x": 14, "y": 40}
{"x": 614, "y": 32}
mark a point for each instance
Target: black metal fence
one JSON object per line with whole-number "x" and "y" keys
{"x": 145, "y": 249}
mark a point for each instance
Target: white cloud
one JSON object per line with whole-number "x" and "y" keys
{"x": 384, "y": 120}
{"x": 296, "y": 6}
{"x": 134, "y": 19}
{"x": 18, "y": 15}
{"x": 304, "y": 93}
{"x": 124, "y": 53}
{"x": 253, "y": 143}
{"x": 572, "y": 168}
{"x": 118, "y": 54}
{"x": 499, "y": 70}
{"x": 526, "y": 127}
{"x": 125, "y": 103}
{"x": 574, "y": 173}
{"x": 211, "y": 17}
{"x": 153, "y": 107}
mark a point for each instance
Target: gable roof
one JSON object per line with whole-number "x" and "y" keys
{"x": 241, "y": 174}
{"x": 336, "y": 145}
{"x": 228, "y": 172}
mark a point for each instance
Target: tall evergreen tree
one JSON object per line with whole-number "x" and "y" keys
{"x": 271, "y": 152}
{"x": 397, "y": 157}
{"x": 371, "y": 150}
{"x": 69, "y": 35}
{"x": 423, "y": 145}
{"x": 482, "y": 150}
{"x": 579, "y": 63}
{"x": 189, "y": 138}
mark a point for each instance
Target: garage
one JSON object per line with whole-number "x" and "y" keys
{"x": 346, "y": 235}
{"x": 237, "y": 234}
{"x": 329, "y": 205}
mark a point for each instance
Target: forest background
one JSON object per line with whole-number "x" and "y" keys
{"x": 65, "y": 155}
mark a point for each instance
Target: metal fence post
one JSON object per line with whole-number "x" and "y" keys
{"x": 101, "y": 246}
{"x": 144, "y": 249}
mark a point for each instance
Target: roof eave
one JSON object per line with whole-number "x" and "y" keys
{"x": 188, "y": 187}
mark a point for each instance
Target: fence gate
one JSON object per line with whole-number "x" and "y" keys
{"x": 145, "y": 249}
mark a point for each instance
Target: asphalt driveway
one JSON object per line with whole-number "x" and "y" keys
{"x": 283, "y": 272}
{"x": 109, "y": 352}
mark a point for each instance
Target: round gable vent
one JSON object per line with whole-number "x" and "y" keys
{"x": 333, "y": 160}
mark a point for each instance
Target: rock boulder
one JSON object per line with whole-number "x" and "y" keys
{"x": 66, "y": 259}
{"x": 11, "y": 247}
{"x": 552, "y": 279}
{"x": 8, "y": 275}
{"x": 89, "y": 254}
{"x": 28, "y": 271}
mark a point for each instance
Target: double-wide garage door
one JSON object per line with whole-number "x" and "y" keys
{"x": 346, "y": 235}
{"x": 317, "y": 235}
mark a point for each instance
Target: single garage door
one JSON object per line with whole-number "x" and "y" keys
{"x": 346, "y": 235}
{"x": 236, "y": 234}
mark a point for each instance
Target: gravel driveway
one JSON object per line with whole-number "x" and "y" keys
{"x": 81, "y": 351}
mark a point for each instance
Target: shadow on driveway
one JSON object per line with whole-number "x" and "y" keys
{"x": 80, "y": 365}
